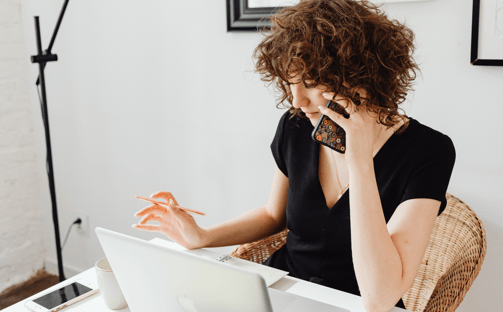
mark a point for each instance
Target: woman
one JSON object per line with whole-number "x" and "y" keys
{"x": 360, "y": 221}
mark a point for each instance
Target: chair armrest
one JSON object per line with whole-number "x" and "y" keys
{"x": 260, "y": 250}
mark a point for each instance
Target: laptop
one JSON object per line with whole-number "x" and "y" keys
{"x": 156, "y": 278}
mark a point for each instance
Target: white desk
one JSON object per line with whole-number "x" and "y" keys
{"x": 288, "y": 284}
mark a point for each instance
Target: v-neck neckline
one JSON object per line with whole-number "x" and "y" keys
{"x": 317, "y": 160}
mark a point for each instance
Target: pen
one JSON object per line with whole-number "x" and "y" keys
{"x": 167, "y": 204}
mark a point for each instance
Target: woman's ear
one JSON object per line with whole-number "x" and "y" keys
{"x": 357, "y": 100}
{"x": 362, "y": 96}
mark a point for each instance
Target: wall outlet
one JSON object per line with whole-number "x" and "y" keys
{"x": 83, "y": 228}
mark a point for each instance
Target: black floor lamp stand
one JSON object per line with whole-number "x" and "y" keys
{"x": 42, "y": 58}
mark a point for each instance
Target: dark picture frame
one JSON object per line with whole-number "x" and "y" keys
{"x": 242, "y": 18}
{"x": 474, "y": 60}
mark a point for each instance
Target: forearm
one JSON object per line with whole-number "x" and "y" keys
{"x": 248, "y": 227}
{"x": 376, "y": 260}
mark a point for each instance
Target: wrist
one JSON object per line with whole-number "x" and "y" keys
{"x": 203, "y": 241}
{"x": 362, "y": 166}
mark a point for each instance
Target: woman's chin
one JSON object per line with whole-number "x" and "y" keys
{"x": 313, "y": 118}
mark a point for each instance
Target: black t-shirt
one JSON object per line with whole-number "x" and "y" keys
{"x": 414, "y": 164}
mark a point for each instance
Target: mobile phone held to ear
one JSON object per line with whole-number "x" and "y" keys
{"x": 62, "y": 297}
{"x": 329, "y": 133}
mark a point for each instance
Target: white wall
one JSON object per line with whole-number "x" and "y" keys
{"x": 22, "y": 249}
{"x": 156, "y": 95}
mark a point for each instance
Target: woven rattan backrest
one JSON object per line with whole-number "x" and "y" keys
{"x": 452, "y": 260}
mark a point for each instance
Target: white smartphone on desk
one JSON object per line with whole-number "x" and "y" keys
{"x": 62, "y": 297}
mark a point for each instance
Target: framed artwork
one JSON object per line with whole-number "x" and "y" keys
{"x": 250, "y": 15}
{"x": 487, "y": 33}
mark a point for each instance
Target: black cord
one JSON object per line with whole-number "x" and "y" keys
{"x": 78, "y": 221}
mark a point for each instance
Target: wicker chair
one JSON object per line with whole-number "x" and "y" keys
{"x": 451, "y": 263}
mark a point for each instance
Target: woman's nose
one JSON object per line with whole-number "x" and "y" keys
{"x": 299, "y": 98}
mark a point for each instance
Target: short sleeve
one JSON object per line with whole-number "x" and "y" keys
{"x": 432, "y": 172}
{"x": 277, "y": 145}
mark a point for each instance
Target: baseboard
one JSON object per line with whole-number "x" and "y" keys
{"x": 51, "y": 267}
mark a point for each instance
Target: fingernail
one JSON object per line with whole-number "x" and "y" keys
{"x": 134, "y": 225}
{"x": 321, "y": 107}
{"x": 324, "y": 93}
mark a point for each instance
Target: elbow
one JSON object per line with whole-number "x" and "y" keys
{"x": 280, "y": 226}
{"x": 278, "y": 223}
{"x": 383, "y": 298}
{"x": 371, "y": 307}
{"x": 378, "y": 305}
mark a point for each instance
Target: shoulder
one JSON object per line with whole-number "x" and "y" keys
{"x": 420, "y": 141}
{"x": 416, "y": 128}
{"x": 289, "y": 122}
{"x": 290, "y": 126}
{"x": 291, "y": 135}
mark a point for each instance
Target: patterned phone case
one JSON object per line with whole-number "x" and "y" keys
{"x": 330, "y": 134}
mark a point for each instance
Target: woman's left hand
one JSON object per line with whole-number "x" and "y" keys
{"x": 361, "y": 129}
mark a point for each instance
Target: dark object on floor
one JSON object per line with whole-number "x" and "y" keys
{"x": 41, "y": 281}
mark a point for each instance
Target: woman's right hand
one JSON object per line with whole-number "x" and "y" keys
{"x": 175, "y": 223}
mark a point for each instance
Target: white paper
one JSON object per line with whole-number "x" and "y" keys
{"x": 498, "y": 29}
{"x": 269, "y": 274}
{"x": 490, "y": 46}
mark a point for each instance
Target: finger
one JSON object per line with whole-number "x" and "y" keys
{"x": 161, "y": 194}
{"x": 338, "y": 99}
{"x": 328, "y": 95}
{"x": 346, "y": 104}
{"x": 352, "y": 108}
{"x": 179, "y": 214}
{"x": 155, "y": 208}
{"x": 336, "y": 117}
{"x": 150, "y": 228}
{"x": 150, "y": 217}
{"x": 164, "y": 195}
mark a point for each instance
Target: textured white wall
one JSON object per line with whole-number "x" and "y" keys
{"x": 22, "y": 249}
{"x": 156, "y": 95}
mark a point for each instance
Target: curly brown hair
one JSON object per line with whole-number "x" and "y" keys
{"x": 331, "y": 42}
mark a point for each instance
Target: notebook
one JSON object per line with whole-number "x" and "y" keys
{"x": 158, "y": 278}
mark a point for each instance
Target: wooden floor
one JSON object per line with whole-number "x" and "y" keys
{"x": 16, "y": 293}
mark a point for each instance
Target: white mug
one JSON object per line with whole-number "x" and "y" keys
{"x": 109, "y": 288}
